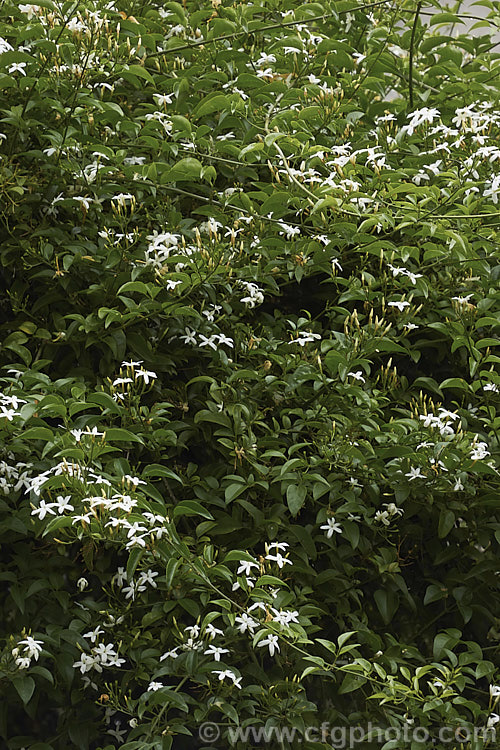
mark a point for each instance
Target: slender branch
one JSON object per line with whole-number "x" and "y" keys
{"x": 412, "y": 52}
{"x": 270, "y": 27}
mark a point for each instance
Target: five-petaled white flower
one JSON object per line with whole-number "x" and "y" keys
{"x": 330, "y": 527}
{"x": 18, "y": 68}
{"x": 245, "y": 567}
{"x": 244, "y": 622}
{"x": 43, "y": 509}
{"x": 279, "y": 559}
{"x": 228, "y": 673}
{"x": 146, "y": 375}
{"x": 415, "y": 473}
{"x": 216, "y": 651}
{"x": 400, "y": 305}
{"x": 154, "y": 686}
{"x": 32, "y": 646}
{"x": 271, "y": 642}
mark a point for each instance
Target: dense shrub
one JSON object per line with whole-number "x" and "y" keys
{"x": 249, "y": 388}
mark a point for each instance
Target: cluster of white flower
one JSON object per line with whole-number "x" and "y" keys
{"x": 114, "y": 237}
{"x": 423, "y": 116}
{"x": 441, "y": 421}
{"x": 36, "y": 483}
{"x": 134, "y": 374}
{"x": 101, "y": 655}
{"x": 397, "y": 271}
{"x": 213, "y": 341}
{"x": 386, "y": 516}
{"x": 255, "y": 296}
{"x": 210, "y": 227}
{"x": 129, "y": 587}
{"x": 14, "y": 478}
{"x": 273, "y": 554}
{"x": 287, "y": 230}
{"x": 162, "y": 118}
{"x": 5, "y": 46}
{"x": 32, "y": 650}
{"x": 164, "y": 244}
{"x": 479, "y": 451}
{"x": 9, "y": 405}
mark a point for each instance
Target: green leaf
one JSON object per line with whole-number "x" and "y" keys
{"x": 59, "y": 522}
{"x": 295, "y": 497}
{"x": 191, "y": 508}
{"x": 387, "y": 603}
{"x": 118, "y": 434}
{"x": 350, "y": 683}
{"x": 211, "y": 104}
{"x": 444, "y": 18}
{"x": 233, "y": 491}
{"x": 133, "y": 561}
{"x": 38, "y": 433}
{"x": 446, "y": 523}
{"x": 170, "y": 570}
{"x": 434, "y": 593}
{"x": 156, "y": 470}
{"x": 140, "y": 72}
{"x": 345, "y": 637}
{"x": 25, "y": 686}
{"x": 104, "y": 400}
{"x": 188, "y": 169}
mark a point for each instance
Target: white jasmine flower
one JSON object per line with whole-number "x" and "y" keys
{"x": 162, "y": 99}
{"x": 43, "y": 509}
{"x": 146, "y": 375}
{"x": 154, "y": 686}
{"x": 62, "y": 504}
{"x": 357, "y": 376}
{"x": 5, "y": 46}
{"x": 463, "y": 300}
{"x": 480, "y": 451}
{"x": 208, "y": 341}
{"x": 276, "y": 545}
{"x": 400, "y": 305}
{"x": 18, "y": 68}
{"x": 94, "y": 634}
{"x": 211, "y": 631}
{"x": 189, "y": 338}
{"x": 225, "y": 340}
{"x": 216, "y": 651}
{"x": 415, "y": 473}
{"x": 228, "y": 673}
{"x": 271, "y": 642}
{"x": 245, "y": 567}
{"x": 32, "y": 647}
{"x": 382, "y": 516}
{"x": 279, "y": 559}
{"x": 170, "y": 654}
{"x": 285, "y": 617}
{"x": 82, "y": 584}
{"x": 117, "y": 381}
{"x": 148, "y": 577}
{"x": 245, "y": 622}
{"x": 330, "y": 527}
